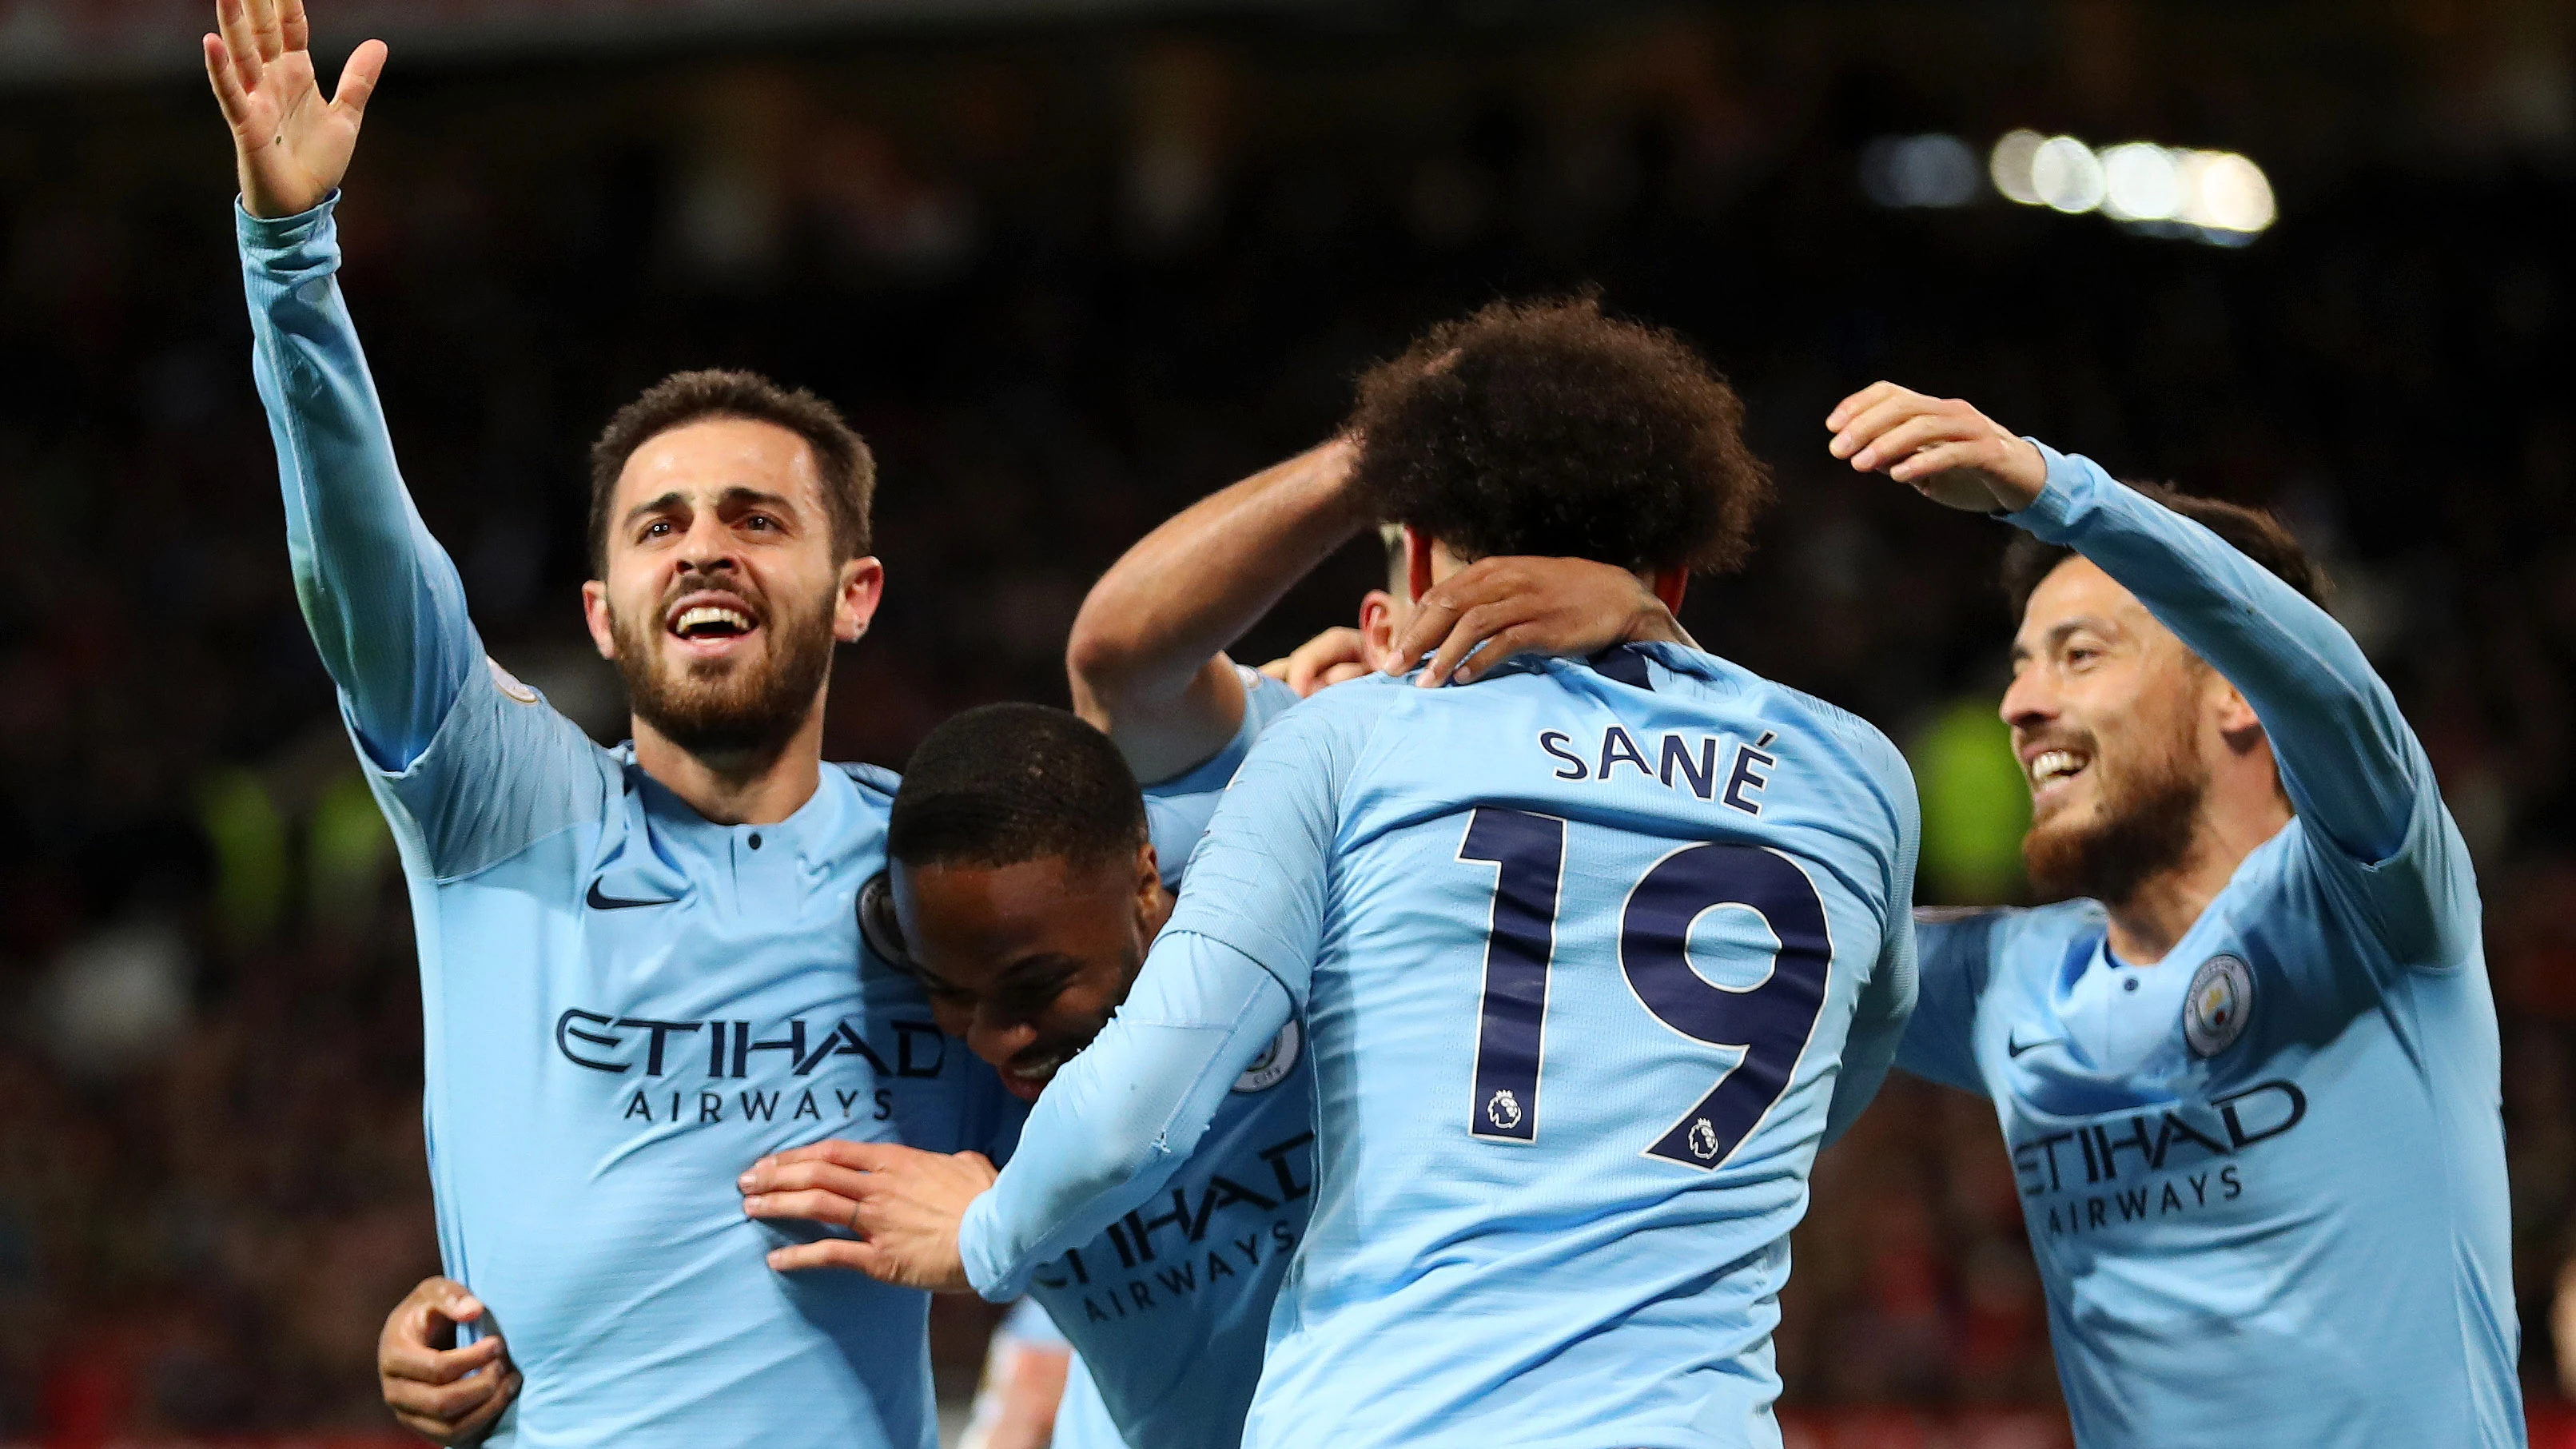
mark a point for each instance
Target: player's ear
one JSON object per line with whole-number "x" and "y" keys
{"x": 1377, "y": 629}
{"x": 1417, "y": 563}
{"x": 2234, "y": 717}
{"x": 594, "y": 612}
{"x": 1669, "y": 585}
{"x": 1153, "y": 903}
{"x": 862, "y": 585}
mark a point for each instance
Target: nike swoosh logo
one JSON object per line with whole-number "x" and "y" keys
{"x": 2014, "y": 1048}
{"x": 600, "y": 901}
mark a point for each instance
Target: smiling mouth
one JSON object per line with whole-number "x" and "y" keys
{"x": 2053, "y": 768}
{"x": 1026, "y": 1078}
{"x": 711, "y": 621}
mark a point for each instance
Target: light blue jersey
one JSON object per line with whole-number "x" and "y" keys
{"x": 2264, "y": 1177}
{"x": 1587, "y": 956}
{"x": 1168, "y": 1309}
{"x": 624, "y": 1004}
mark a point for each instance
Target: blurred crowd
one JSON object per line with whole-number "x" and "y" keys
{"x": 1067, "y": 279}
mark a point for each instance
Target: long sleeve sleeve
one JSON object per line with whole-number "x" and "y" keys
{"x": 2347, "y": 758}
{"x": 1120, "y": 1118}
{"x": 2367, "y": 802}
{"x": 384, "y": 602}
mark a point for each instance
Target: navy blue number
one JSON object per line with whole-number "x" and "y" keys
{"x": 1769, "y": 1021}
{"x": 1528, "y": 852}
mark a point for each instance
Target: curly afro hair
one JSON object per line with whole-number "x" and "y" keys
{"x": 1546, "y": 428}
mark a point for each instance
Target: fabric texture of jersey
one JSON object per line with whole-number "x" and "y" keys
{"x": 624, "y": 1005}
{"x": 1169, "y": 1307}
{"x": 1576, "y": 950}
{"x": 2264, "y": 1177}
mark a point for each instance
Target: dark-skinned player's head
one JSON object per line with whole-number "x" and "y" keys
{"x": 1021, "y": 883}
{"x": 2124, "y": 734}
{"x": 1549, "y": 429}
{"x": 729, "y": 549}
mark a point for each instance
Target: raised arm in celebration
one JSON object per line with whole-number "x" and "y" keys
{"x": 383, "y": 601}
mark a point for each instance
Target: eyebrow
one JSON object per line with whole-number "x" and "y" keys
{"x": 737, "y": 495}
{"x": 2057, "y": 633}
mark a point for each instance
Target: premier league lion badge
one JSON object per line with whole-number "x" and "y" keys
{"x": 2215, "y": 1009}
{"x": 1274, "y": 1064}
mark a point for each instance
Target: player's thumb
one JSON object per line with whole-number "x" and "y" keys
{"x": 455, "y": 1303}
{"x": 358, "y": 78}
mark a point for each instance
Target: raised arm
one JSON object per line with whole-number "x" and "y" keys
{"x": 384, "y": 603}
{"x": 1147, "y": 654}
{"x": 2352, "y": 768}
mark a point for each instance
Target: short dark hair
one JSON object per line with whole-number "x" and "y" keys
{"x": 849, "y": 470}
{"x": 1547, "y": 428}
{"x": 1007, "y": 783}
{"x": 2250, "y": 531}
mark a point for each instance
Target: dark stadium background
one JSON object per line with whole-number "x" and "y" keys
{"x": 1070, "y": 266}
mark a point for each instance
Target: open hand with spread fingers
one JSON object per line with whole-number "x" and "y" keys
{"x": 903, "y": 1203}
{"x": 1950, "y": 452}
{"x": 291, "y": 143}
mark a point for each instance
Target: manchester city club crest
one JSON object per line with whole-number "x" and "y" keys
{"x": 2215, "y": 1008}
{"x": 1274, "y": 1064}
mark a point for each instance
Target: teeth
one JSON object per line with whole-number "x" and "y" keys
{"x": 711, "y": 614}
{"x": 2050, "y": 765}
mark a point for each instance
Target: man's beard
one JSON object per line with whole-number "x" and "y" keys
{"x": 2148, "y": 816}
{"x": 715, "y": 709}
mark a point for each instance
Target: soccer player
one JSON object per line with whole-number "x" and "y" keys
{"x": 640, "y": 967}
{"x": 1026, "y": 880}
{"x": 1589, "y": 958}
{"x": 2247, "y": 1068}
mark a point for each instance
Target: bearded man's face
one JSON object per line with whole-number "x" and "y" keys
{"x": 724, "y": 594}
{"x": 2106, "y": 711}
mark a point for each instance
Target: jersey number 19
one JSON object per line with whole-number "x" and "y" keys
{"x": 1768, "y": 1022}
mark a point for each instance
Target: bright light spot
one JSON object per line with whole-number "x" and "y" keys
{"x": 2009, "y": 167}
{"x": 2141, "y": 181}
{"x": 2067, "y": 175}
{"x": 1931, "y": 170}
{"x": 2226, "y": 192}
{"x": 2212, "y": 196}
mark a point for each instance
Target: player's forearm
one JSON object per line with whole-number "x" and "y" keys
{"x": 1123, "y": 1115}
{"x": 384, "y": 602}
{"x": 2347, "y": 757}
{"x": 1143, "y": 652}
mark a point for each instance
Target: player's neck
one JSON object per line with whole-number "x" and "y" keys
{"x": 750, "y": 787}
{"x": 2233, "y": 820}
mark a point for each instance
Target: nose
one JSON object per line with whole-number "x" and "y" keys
{"x": 709, "y": 546}
{"x": 2030, "y": 701}
{"x": 998, "y": 1042}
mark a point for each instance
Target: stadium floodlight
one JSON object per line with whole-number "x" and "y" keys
{"x": 2213, "y": 196}
{"x": 2141, "y": 181}
{"x": 2009, "y": 166}
{"x": 2227, "y": 193}
{"x": 2067, "y": 175}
